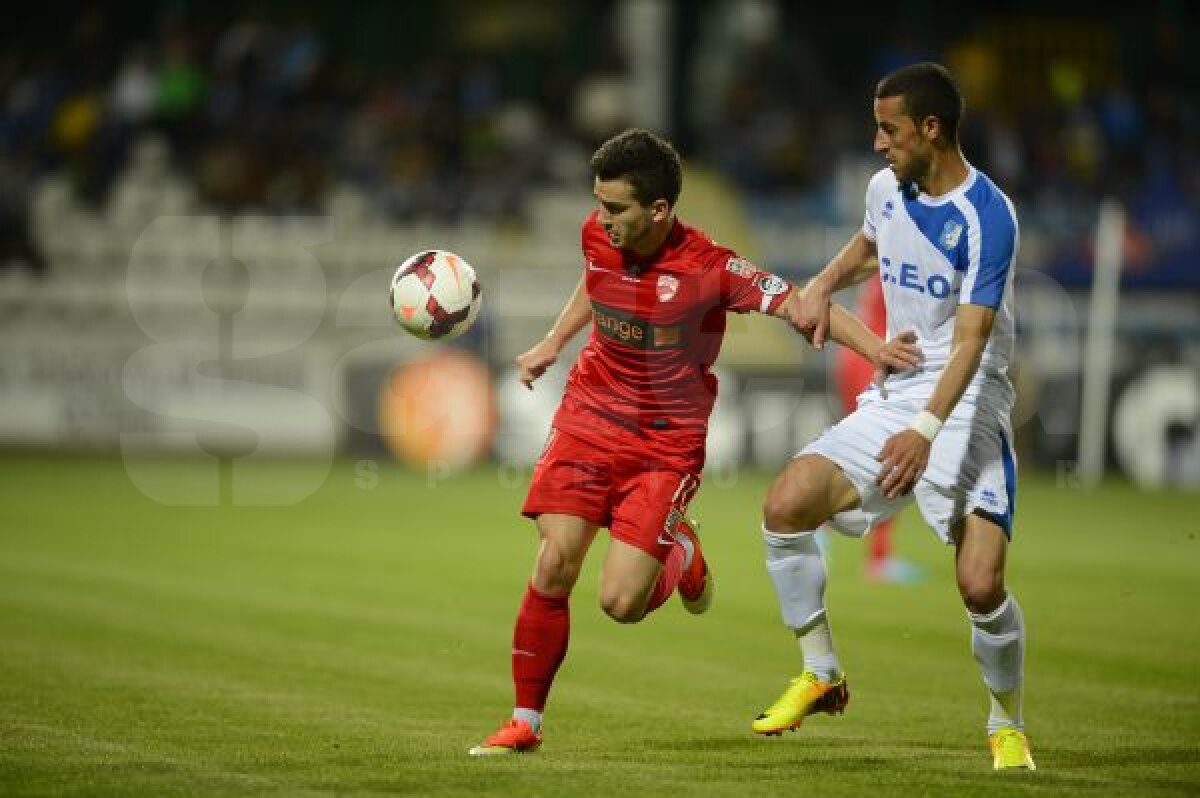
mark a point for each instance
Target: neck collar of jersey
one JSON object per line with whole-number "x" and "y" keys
{"x": 637, "y": 264}
{"x": 957, "y": 191}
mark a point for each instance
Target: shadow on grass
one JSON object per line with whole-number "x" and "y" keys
{"x": 733, "y": 743}
{"x": 1059, "y": 767}
{"x": 1148, "y": 755}
{"x": 817, "y": 747}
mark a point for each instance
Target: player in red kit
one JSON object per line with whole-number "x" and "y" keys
{"x": 627, "y": 444}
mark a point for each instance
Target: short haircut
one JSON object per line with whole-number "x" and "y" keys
{"x": 928, "y": 90}
{"x": 647, "y": 161}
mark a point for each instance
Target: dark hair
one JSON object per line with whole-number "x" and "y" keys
{"x": 928, "y": 90}
{"x": 647, "y": 161}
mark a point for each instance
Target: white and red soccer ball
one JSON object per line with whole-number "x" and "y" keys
{"x": 435, "y": 295}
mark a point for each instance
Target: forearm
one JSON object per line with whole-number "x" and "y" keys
{"x": 965, "y": 357}
{"x": 850, "y": 331}
{"x": 853, "y": 264}
{"x": 575, "y": 315}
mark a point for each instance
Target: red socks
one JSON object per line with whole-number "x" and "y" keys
{"x": 539, "y": 644}
{"x": 543, "y": 629}
{"x": 668, "y": 578}
{"x": 879, "y": 542}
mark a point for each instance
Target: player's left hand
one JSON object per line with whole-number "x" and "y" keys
{"x": 904, "y": 458}
{"x": 899, "y": 354}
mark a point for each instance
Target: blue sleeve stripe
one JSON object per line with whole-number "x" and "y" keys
{"x": 997, "y": 244}
{"x": 1010, "y": 485}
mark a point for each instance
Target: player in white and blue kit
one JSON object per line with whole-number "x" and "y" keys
{"x": 944, "y": 240}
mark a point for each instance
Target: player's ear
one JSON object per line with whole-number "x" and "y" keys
{"x": 660, "y": 210}
{"x": 931, "y": 128}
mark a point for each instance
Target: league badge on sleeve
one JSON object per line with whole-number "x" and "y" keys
{"x": 771, "y": 285}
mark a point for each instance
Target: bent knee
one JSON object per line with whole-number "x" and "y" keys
{"x": 554, "y": 572}
{"x": 623, "y": 608}
{"x": 792, "y": 506}
{"x": 981, "y": 592}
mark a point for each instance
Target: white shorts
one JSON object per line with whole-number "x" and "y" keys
{"x": 971, "y": 465}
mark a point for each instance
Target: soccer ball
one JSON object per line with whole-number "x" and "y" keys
{"x": 435, "y": 295}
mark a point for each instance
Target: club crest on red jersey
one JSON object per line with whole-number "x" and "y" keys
{"x": 667, "y": 287}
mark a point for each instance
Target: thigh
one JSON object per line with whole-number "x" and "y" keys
{"x": 808, "y": 492}
{"x": 572, "y": 477}
{"x": 979, "y": 556}
{"x": 979, "y": 545}
{"x": 972, "y": 468}
{"x": 646, "y": 510}
{"x": 629, "y": 572}
{"x": 852, "y": 445}
{"x": 647, "y": 507}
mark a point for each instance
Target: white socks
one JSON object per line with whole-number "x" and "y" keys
{"x": 797, "y": 570}
{"x": 816, "y": 644}
{"x": 998, "y": 643}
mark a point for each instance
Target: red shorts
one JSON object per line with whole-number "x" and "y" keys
{"x": 640, "y": 501}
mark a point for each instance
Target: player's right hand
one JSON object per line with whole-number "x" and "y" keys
{"x": 809, "y": 314}
{"x": 533, "y": 364}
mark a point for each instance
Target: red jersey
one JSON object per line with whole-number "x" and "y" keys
{"x": 658, "y": 322}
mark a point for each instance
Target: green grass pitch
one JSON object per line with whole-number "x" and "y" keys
{"x": 357, "y": 643}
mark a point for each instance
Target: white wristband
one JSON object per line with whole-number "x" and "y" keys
{"x": 927, "y": 424}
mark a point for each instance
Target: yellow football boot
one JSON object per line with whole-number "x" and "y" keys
{"x": 1010, "y": 750}
{"x": 806, "y": 695}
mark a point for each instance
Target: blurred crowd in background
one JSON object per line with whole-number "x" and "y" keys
{"x": 1065, "y": 107}
{"x": 262, "y": 111}
{"x": 332, "y": 139}
{"x": 460, "y": 111}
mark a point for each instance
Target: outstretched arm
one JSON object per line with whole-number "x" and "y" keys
{"x": 575, "y": 315}
{"x": 899, "y": 354}
{"x": 906, "y": 453}
{"x": 853, "y": 264}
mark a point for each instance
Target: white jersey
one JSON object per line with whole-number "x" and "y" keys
{"x": 936, "y": 253}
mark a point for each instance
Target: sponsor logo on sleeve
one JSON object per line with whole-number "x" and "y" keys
{"x": 741, "y": 267}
